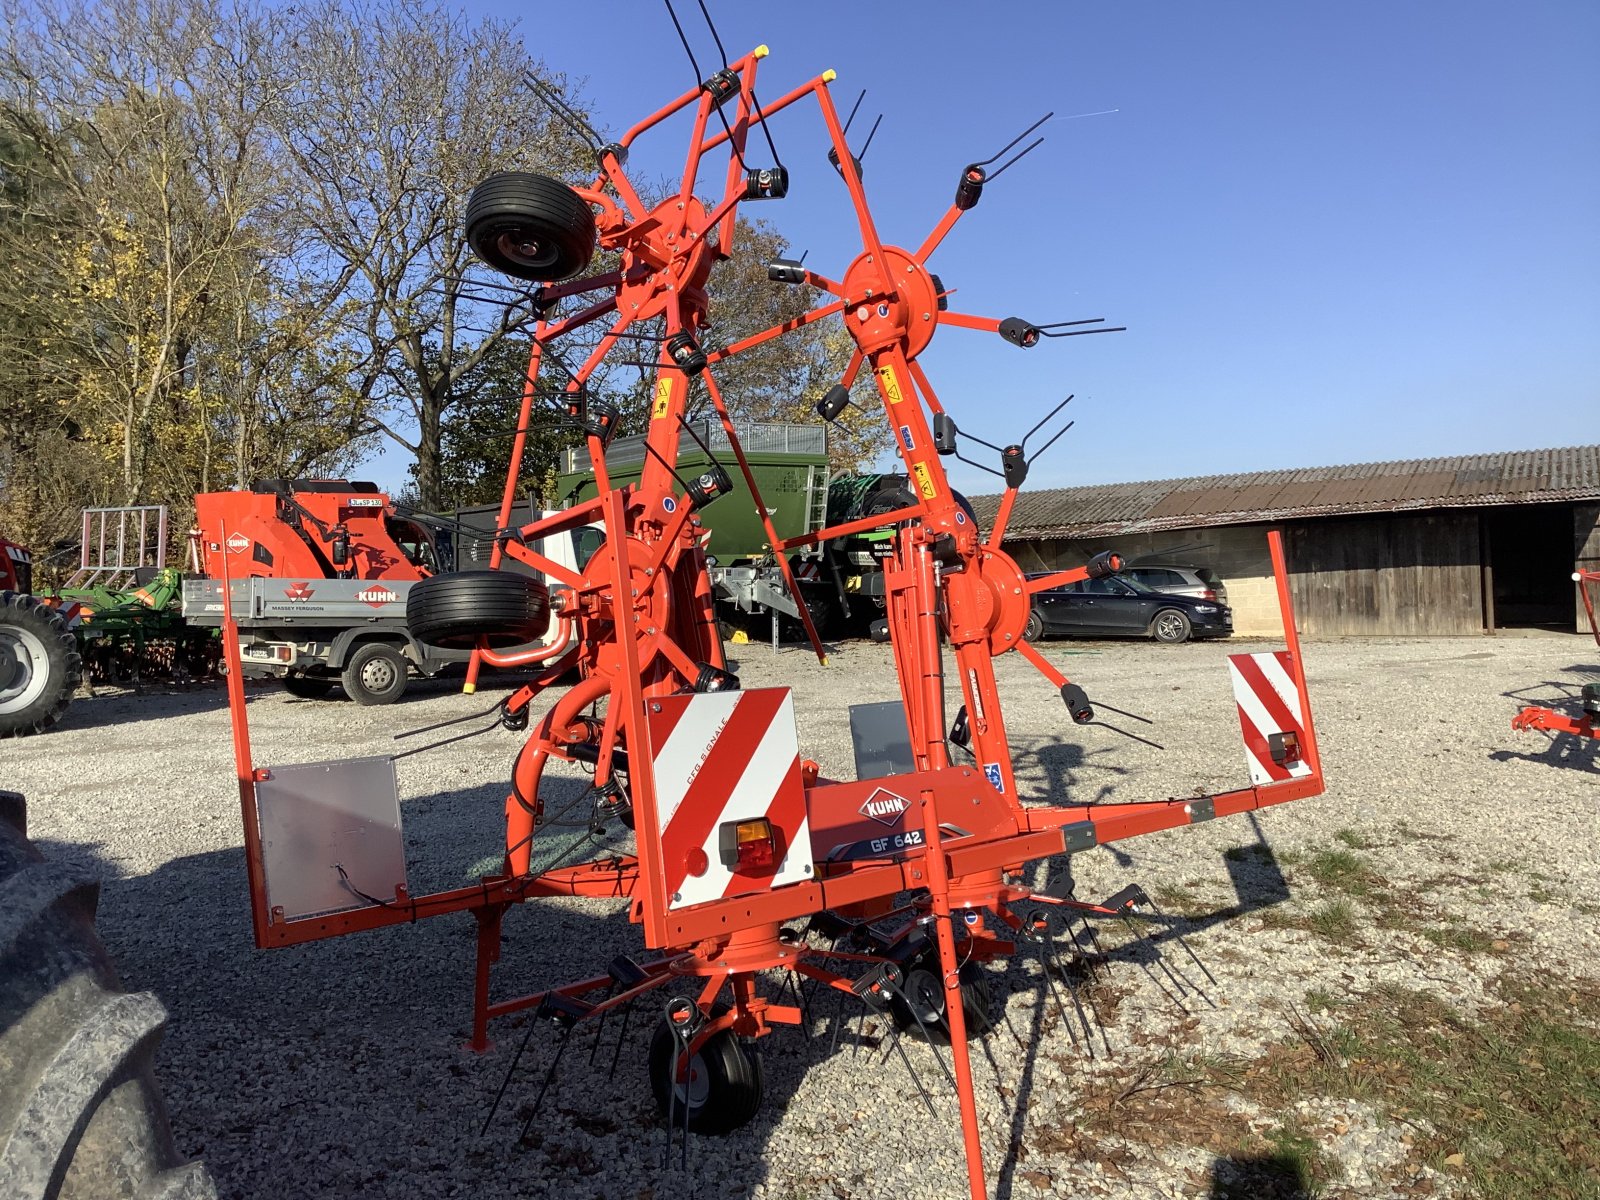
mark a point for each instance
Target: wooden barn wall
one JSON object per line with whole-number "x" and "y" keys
{"x": 1586, "y": 554}
{"x": 1400, "y": 574}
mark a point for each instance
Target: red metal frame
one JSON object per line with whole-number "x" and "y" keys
{"x": 1546, "y": 719}
{"x": 642, "y": 614}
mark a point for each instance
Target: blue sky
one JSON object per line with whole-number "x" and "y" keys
{"x": 1337, "y": 232}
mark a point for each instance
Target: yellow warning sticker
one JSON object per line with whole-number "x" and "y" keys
{"x": 889, "y": 384}
{"x": 663, "y": 399}
{"x": 925, "y": 483}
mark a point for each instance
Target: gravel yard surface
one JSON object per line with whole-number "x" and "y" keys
{"x": 1447, "y": 852}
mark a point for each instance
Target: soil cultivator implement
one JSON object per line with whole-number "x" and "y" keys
{"x": 1588, "y": 724}
{"x": 760, "y": 885}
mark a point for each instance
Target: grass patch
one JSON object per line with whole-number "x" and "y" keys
{"x": 1335, "y": 920}
{"x": 1355, "y": 839}
{"x": 1344, "y": 870}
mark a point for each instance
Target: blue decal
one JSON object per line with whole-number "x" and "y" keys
{"x": 961, "y": 517}
{"x": 991, "y": 772}
{"x": 905, "y": 436}
{"x": 669, "y": 504}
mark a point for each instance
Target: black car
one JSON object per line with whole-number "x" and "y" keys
{"x": 1115, "y": 607}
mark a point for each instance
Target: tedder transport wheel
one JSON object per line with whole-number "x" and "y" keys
{"x": 308, "y": 687}
{"x": 924, "y": 989}
{"x": 81, "y": 1117}
{"x": 1170, "y": 625}
{"x": 530, "y": 227}
{"x": 40, "y": 666}
{"x": 459, "y": 608}
{"x": 724, "y": 1087}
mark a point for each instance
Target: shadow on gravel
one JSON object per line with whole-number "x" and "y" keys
{"x": 1561, "y": 749}
{"x": 1264, "y": 1177}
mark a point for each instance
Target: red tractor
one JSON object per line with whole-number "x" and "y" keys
{"x": 40, "y": 667}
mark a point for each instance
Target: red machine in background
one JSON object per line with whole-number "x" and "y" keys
{"x": 745, "y": 853}
{"x": 308, "y": 528}
{"x": 1547, "y": 719}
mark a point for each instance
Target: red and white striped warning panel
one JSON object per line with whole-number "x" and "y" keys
{"x": 1270, "y": 715}
{"x": 722, "y": 760}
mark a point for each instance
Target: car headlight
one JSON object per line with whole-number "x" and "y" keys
{"x": 1205, "y": 608}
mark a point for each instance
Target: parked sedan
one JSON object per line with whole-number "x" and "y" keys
{"x": 1118, "y": 607}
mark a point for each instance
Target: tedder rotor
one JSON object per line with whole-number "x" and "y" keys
{"x": 750, "y": 864}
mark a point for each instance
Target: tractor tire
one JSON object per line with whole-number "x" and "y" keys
{"x": 457, "y": 609}
{"x": 530, "y": 227}
{"x": 40, "y": 667}
{"x": 725, "y": 1087}
{"x": 81, "y": 1117}
{"x": 375, "y": 673}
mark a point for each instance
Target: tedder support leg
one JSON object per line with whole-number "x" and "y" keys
{"x": 488, "y": 954}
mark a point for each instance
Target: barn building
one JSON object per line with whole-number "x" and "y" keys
{"x": 1427, "y": 546}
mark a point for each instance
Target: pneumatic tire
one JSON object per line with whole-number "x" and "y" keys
{"x": 457, "y": 609}
{"x": 81, "y": 1117}
{"x": 1170, "y": 626}
{"x": 375, "y": 673}
{"x": 530, "y": 226}
{"x": 40, "y": 667}
{"x": 725, "y": 1087}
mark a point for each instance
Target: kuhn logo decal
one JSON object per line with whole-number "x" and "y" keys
{"x": 377, "y": 596}
{"x": 299, "y": 591}
{"x": 885, "y": 807}
{"x": 238, "y": 543}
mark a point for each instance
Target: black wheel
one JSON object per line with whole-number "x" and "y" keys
{"x": 81, "y": 1117}
{"x": 724, "y": 1087}
{"x": 530, "y": 226}
{"x": 307, "y": 687}
{"x": 924, "y": 991}
{"x": 1170, "y": 625}
{"x": 459, "y": 608}
{"x": 878, "y": 631}
{"x": 375, "y": 673}
{"x": 1034, "y": 629}
{"x": 40, "y": 666}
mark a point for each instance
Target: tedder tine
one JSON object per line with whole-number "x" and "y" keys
{"x": 1189, "y": 950}
{"x": 565, "y": 1012}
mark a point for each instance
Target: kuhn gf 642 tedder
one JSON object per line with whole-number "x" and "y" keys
{"x": 757, "y": 882}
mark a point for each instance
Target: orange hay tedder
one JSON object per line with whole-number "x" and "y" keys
{"x": 1547, "y": 719}
{"x": 751, "y": 868}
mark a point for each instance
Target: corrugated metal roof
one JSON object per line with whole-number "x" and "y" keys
{"x": 1514, "y": 477}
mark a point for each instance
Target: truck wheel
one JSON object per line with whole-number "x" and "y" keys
{"x": 459, "y": 608}
{"x": 375, "y": 673}
{"x": 80, "y": 1114}
{"x": 307, "y": 687}
{"x": 530, "y": 226}
{"x": 40, "y": 666}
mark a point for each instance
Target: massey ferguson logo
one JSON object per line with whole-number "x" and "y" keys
{"x": 299, "y": 591}
{"x": 885, "y": 807}
{"x": 377, "y": 596}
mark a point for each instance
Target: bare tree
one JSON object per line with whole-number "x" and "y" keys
{"x": 391, "y": 116}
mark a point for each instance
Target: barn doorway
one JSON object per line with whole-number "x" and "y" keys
{"x": 1528, "y": 560}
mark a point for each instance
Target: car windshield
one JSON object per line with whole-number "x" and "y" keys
{"x": 1142, "y": 589}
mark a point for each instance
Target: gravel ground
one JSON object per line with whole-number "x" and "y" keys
{"x": 337, "y": 1069}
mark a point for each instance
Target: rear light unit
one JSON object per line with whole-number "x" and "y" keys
{"x": 1284, "y": 748}
{"x": 1209, "y": 594}
{"x": 748, "y": 846}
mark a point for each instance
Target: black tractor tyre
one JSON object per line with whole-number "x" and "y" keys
{"x": 1034, "y": 629}
{"x": 459, "y": 608}
{"x": 922, "y": 986}
{"x": 1170, "y": 626}
{"x": 375, "y": 673}
{"x": 81, "y": 1117}
{"x": 530, "y": 226}
{"x": 308, "y": 687}
{"x": 732, "y": 1077}
{"x": 40, "y": 667}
